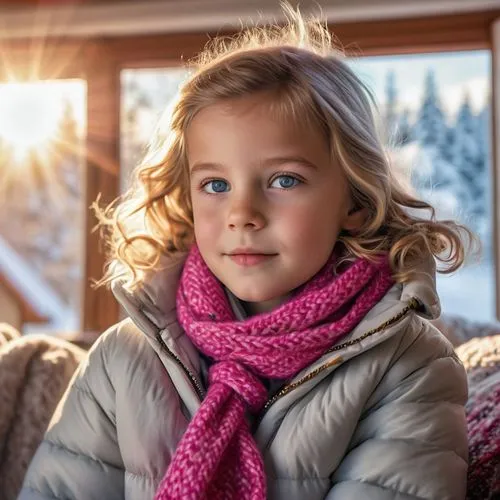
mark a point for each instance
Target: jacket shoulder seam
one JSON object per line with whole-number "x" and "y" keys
{"x": 85, "y": 457}
{"x": 437, "y": 449}
{"x": 153, "y": 479}
{"x": 302, "y": 479}
{"x": 386, "y": 488}
{"x": 92, "y": 396}
{"x": 81, "y": 456}
{"x": 31, "y": 487}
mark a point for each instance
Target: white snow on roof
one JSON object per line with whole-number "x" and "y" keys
{"x": 37, "y": 292}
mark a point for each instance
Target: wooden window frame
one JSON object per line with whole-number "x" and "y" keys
{"x": 99, "y": 61}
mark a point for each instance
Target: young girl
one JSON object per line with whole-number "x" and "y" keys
{"x": 290, "y": 355}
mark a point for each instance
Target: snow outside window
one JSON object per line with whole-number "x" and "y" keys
{"x": 435, "y": 113}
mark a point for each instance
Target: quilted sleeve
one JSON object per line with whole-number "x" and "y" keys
{"x": 411, "y": 441}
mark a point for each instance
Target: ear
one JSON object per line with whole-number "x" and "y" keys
{"x": 354, "y": 219}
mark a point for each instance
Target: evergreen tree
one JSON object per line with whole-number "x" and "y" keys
{"x": 466, "y": 159}
{"x": 68, "y": 148}
{"x": 444, "y": 186}
{"x": 431, "y": 125}
{"x": 484, "y": 200}
{"x": 449, "y": 144}
{"x": 483, "y": 135}
{"x": 405, "y": 132}
{"x": 68, "y": 126}
{"x": 60, "y": 238}
{"x": 390, "y": 115}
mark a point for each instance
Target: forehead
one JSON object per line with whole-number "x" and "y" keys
{"x": 251, "y": 126}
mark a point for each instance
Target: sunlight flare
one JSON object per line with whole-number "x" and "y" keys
{"x": 28, "y": 115}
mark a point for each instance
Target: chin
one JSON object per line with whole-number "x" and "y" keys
{"x": 247, "y": 296}
{"x": 258, "y": 296}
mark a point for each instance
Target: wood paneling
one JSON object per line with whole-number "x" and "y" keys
{"x": 100, "y": 309}
{"x": 426, "y": 34}
{"x": 68, "y": 57}
{"x": 397, "y": 36}
{"x": 42, "y": 59}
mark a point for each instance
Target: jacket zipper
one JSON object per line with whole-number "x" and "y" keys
{"x": 413, "y": 304}
{"x": 194, "y": 381}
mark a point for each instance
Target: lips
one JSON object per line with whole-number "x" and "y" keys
{"x": 249, "y": 257}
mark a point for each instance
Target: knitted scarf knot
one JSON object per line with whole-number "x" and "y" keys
{"x": 244, "y": 383}
{"x": 217, "y": 458}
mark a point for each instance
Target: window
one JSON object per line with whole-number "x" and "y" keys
{"x": 42, "y": 132}
{"x": 436, "y": 114}
{"x": 144, "y": 97}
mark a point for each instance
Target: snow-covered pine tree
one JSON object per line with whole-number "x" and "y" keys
{"x": 68, "y": 143}
{"x": 465, "y": 157}
{"x": 431, "y": 124}
{"x": 483, "y": 205}
{"x": 64, "y": 217}
{"x": 443, "y": 186}
{"x": 390, "y": 114}
{"x": 405, "y": 129}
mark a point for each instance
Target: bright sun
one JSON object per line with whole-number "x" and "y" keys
{"x": 28, "y": 115}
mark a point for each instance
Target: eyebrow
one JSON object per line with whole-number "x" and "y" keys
{"x": 200, "y": 166}
{"x": 269, "y": 162}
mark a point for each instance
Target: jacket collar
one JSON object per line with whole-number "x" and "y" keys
{"x": 153, "y": 307}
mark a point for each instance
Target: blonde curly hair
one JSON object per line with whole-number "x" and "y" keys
{"x": 299, "y": 60}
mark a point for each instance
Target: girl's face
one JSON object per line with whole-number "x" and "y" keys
{"x": 268, "y": 203}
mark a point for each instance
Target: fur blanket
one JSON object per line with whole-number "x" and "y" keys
{"x": 7, "y": 333}
{"x": 34, "y": 372}
{"x": 481, "y": 358}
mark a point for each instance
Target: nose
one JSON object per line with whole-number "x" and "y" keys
{"x": 245, "y": 213}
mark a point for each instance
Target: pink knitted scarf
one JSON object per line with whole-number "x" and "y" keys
{"x": 217, "y": 457}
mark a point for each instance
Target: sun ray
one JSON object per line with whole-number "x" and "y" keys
{"x": 46, "y": 22}
{"x": 43, "y": 51}
{"x": 7, "y": 67}
{"x": 31, "y": 100}
{"x": 33, "y": 148}
{"x": 46, "y": 54}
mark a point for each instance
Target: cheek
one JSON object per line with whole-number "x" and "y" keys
{"x": 311, "y": 224}
{"x": 205, "y": 224}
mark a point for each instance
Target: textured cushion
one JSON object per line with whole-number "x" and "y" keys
{"x": 34, "y": 372}
{"x": 481, "y": 357}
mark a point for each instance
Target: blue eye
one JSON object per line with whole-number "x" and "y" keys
{"x": 216, "y": 186}
{"x": 285, "y": 182}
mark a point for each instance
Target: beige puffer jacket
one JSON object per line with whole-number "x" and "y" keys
{"x": 378, "y": 417}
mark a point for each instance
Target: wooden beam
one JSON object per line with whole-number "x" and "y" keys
{"x": 62, "y": 57}
{"x": 42, "y": 59}
{"x": 100, "y": 310}
{"x": 397, "y": 36}
{"x": 416, "y": 35}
